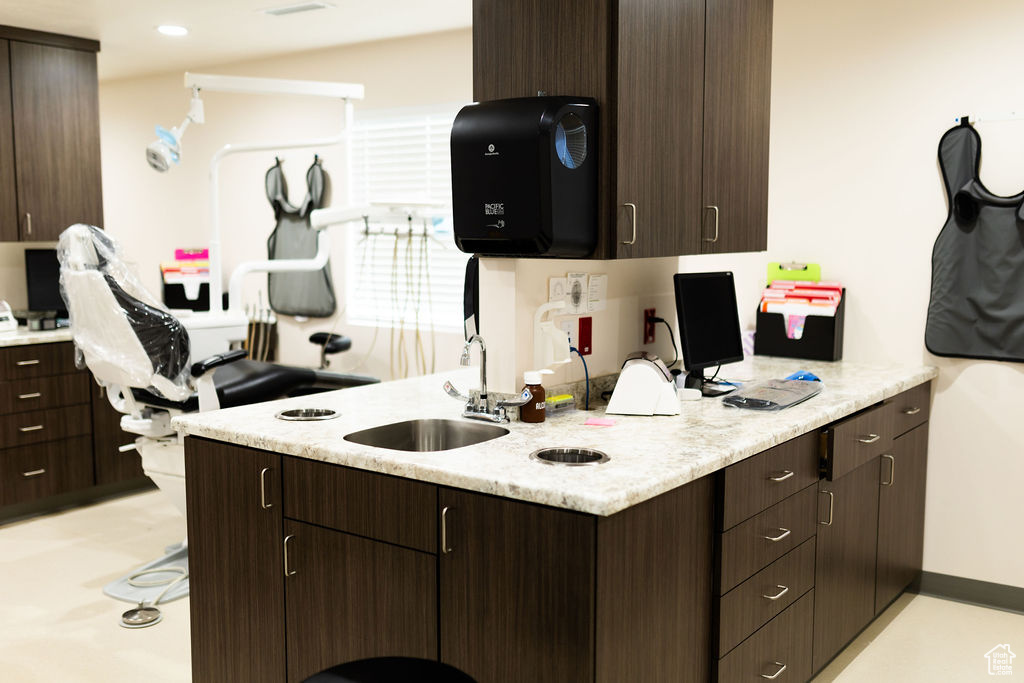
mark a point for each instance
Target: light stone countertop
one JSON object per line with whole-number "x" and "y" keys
{"x": 648, "y": 455}
{"x": 24, "y": 337}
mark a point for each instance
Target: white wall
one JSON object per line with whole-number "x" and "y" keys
{"x": 152, "y": 213}
{"x": 861, "y": 93}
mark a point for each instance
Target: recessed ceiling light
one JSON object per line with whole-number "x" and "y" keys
{"x": 297, "y": 8}
{"x": 172, "y": 30}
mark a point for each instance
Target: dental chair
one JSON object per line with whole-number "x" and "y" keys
{"x": 140, "y": 353}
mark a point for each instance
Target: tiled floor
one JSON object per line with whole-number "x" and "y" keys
{"x": 56, "y": 624}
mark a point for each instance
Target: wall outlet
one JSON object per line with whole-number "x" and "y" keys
{"x": 648, "y": 326}
{"x": 568, "y": 325}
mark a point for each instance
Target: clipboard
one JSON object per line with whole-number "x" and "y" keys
{"x": 793, "y": 271}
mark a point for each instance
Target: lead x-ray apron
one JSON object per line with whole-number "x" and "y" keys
{"x": 309, "y": 293}
{"x": 977, "y": 299}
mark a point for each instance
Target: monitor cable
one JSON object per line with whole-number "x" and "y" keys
{"x": 675, "y": 352}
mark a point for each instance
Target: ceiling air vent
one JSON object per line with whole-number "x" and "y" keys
{"x": 295, "y": 9}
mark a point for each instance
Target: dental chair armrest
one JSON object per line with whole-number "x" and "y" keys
{"x": 202, "y": 367}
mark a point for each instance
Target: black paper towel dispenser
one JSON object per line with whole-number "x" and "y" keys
{"x": 524, "y": 177}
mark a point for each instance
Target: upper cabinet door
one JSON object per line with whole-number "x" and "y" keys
{"x": 8, "y": 200}
{"x": 737, "y": 94}
{"x": 56, "y": 132}
{"x": 660, "y": 79}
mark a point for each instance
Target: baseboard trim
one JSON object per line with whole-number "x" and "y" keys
{"x": 73, "y": 499}
{"x": 971, "y": 591}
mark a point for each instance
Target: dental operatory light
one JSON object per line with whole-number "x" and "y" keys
{"x": 172, "y": 30}
{"x": 166, "y": 149}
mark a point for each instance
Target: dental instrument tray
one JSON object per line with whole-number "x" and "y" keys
{"x": 773, "y": 394}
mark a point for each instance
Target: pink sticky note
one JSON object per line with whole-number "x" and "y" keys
{"x": 600, "y": 422}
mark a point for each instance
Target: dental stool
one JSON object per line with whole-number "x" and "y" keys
{"x": 140, "y": 354}
{"x": 329, "y": 344}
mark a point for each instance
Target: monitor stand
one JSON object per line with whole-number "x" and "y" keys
{"x": 696, "y": 380}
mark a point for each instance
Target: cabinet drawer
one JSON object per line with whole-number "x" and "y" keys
{"x": 911, "y": 408}
{"x": 32, "y": 472}
{"x": 762, "y": 480}
{"x": 855, "y": 441}
{"x": 757, "y": 600}
{"x": 748, "y": 547}
{"x": 37, "y": 426}
{"x": 21, "y": 395}
{"x": 784, "y": 642}
{"x": 37, "y": 360}
{"x": 378, "y": 506}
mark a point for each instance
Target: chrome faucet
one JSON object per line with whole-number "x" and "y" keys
{"x": 477, "y": 408}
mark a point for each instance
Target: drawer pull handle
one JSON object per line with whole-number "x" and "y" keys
{"x": 34, "y": 473}
{"x": 33, "y": 428}
{"x": 632, "y": 210}
{"x": 287, "y": 570}
{"x": 782, "y": 667}
{"x": 444, "y": 531}
{"x": 786, "y": 474}
{"x": 776, "y": 539}
{"x": 831, "y": 507}
{"x": 870, "y": 438}
{"x": 892, "y": 469}
{"x": 34, "y": 394}
{"x": 263, "y": 489}
{"x": 911, "y": 411}
{"x": 785, "y": 589}
{"x": 34, "y": 361}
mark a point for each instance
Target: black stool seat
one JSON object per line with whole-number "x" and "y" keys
{"x": 247, "y": 381}
{"x": 391, "y": 670}
{"x": 332, "y": 343}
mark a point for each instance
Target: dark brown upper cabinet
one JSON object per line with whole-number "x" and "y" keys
{"x": 49, "y": 142}
{"x": 683, "y": 88}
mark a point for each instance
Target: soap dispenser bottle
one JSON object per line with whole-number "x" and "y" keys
{"x": 535, "y": 410}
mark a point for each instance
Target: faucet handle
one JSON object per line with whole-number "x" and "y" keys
{"x": 520, "y": 400}
{"x": 450, "y": 389}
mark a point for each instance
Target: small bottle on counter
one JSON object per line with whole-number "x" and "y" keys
{"x": 536, "y": 409}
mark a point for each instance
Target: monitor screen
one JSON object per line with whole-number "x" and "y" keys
{"x": 709, "y": 322}
{"x": 42, "y": 276}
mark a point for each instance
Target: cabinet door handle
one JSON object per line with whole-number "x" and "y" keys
{"x": 33, "y": 428}
{"x": 263, "y": 489}
{"x": 783, "y": 591}
{"x": 34, "y": 361}
{"x": 870, "y": 438}
{"x": 445, "y": 549}
{"x": 28, "y": 223}
{"x": 783, "y": 476}
{"x": 288, "y": 571}
{"x": 831, "y": 507}
{"x": 776, "y": 539}
{"x": 715, "y": 238}
{"x": 632, "y": 210}
{"x": 782, "y": 667}
{"x": 892, "y": 469}
{"x": 34, "y": 394}
{"x": 913, "y": 410}
{"x": 34, "y": 473}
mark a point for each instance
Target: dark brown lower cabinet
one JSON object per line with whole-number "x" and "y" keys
{"x": 780, "y": 650}
{"x": 110, "y": 463}
{"x": 235, "y": 563}
{"x": 517, "y": 590}
{"x": 844, "y": 580}
{"x": 901, "y": 515}
{"x": 350, "y": 598}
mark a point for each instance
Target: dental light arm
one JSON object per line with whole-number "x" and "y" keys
{"x": 166, "y": 149}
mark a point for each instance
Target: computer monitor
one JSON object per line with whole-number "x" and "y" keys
{"x": 42, "y": 277}
{"x": 709, "y": 325}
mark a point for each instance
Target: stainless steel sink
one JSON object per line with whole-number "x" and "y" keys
{"x": 427, "y": 435}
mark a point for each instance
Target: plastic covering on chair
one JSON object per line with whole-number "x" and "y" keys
{"x": 125, "y": 336}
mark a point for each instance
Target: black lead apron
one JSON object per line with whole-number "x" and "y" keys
{"x": 977, "y": 298}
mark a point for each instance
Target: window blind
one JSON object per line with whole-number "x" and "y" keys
{"x": 403, "y": 157}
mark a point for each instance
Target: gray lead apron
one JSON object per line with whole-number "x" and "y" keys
{"x": 311, "y": 293}
{"x": 977, "y": 299}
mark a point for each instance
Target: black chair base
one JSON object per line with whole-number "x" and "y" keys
{"x": 391, "y": 670}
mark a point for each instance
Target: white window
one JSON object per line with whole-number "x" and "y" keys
{"x": 403, "y": 157}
